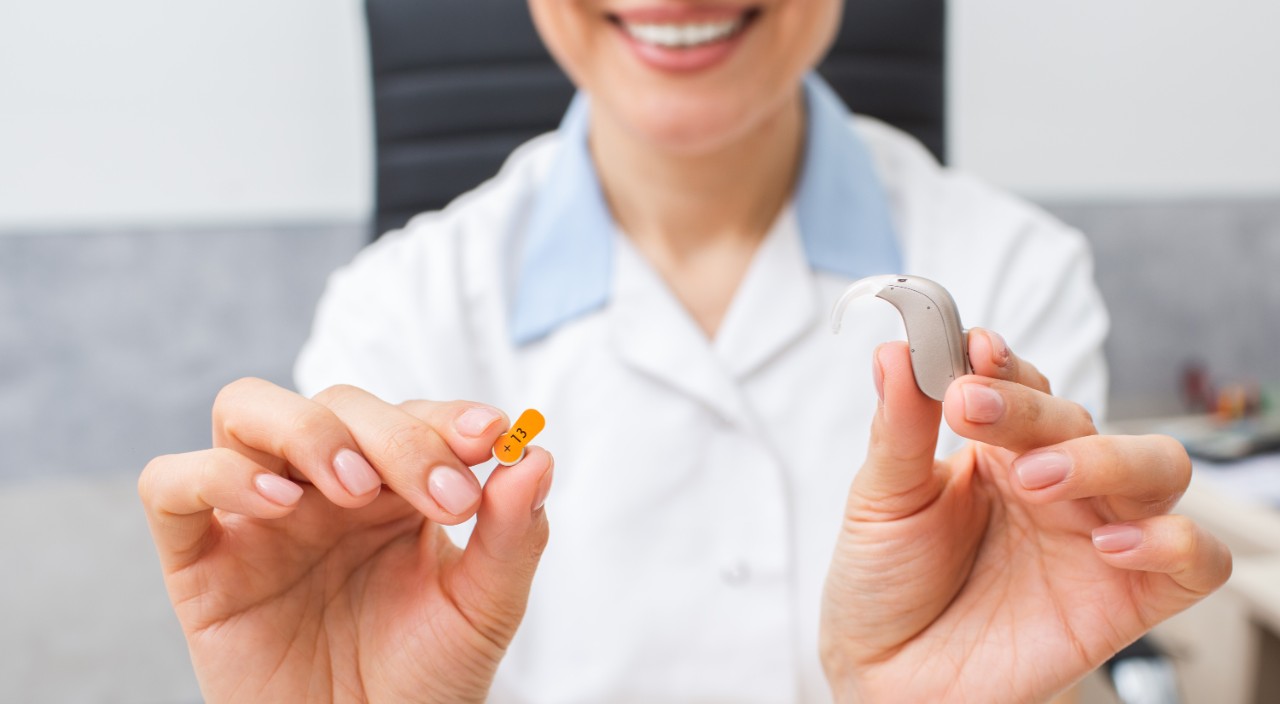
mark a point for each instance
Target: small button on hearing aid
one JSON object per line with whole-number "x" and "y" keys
{"x": 509, "y": 449}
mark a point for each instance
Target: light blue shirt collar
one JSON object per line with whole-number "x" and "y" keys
{"x": 565, "y": 267}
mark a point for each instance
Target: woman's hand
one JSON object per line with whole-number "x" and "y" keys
{"x": 296, "y": 575}
{"x": 1012, "y": 569}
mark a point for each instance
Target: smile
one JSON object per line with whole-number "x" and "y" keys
{"x": 667, "y": 30}
{"x": 682, "y": 36}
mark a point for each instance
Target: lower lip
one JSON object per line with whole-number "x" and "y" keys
{"x": 687, "y": 60}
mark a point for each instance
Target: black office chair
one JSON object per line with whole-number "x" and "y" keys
{"x": 458, "y": 84}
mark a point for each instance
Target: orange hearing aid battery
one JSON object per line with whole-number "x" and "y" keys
{"x": 509, "y": 449}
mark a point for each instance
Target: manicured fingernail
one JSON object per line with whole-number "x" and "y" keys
{"x": 877, "y": 374}
{"x": 355, "y": 473}
{"x": 1117, "y": 538}
{"x": 454, "y": 492}
{"x": 982, "y": 404}
{"x": 1041, "y": 469}
{"x": 999, "y": 349}
{"x": 475, "y": 421}
{"x": 544, "y": 488}
{"x": 277, "y": 489}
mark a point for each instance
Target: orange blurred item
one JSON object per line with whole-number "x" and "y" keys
{"x": 509, "y": 449}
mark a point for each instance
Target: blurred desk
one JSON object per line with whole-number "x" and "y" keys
{"x": 1228, "y": 647}
{"x": 1254, "y": 481}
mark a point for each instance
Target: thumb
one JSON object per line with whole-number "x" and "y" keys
{"x": 496, "y": 568}
{"x": 898, "y": 477}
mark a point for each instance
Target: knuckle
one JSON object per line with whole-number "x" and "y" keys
{"x": 415, "y": 407}
{"x": 1184, "y": 539}
{"x": 431, "y": 411}
{"x": 1032, "y": 412}
{"x": 334, "y": 393}
{"x": 406, "y": 441}
{"x": 314, "y": 422}
{"x": 228, "y": 396}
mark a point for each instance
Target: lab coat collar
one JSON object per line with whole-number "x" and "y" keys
{"x": 565, "y": 265}
{"x": 655, "y": 334}
{"x": 776, "y": 305}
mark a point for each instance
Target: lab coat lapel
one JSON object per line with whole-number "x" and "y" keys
{"x": 775, "y": 305}
{"x": 655, "y": 335}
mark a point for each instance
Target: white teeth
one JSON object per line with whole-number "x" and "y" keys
{"x": 680, "y": 36}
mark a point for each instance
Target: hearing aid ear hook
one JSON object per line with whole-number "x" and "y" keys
{"x": 939, "y": 345}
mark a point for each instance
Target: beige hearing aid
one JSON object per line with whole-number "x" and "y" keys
{"x": 939, "y": 345}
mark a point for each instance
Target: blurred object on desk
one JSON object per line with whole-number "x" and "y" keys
{"x": 1222, "y": 437}
{"x": 1231, "y": 456}
{"x": 1197, "y": 393}
{"x": 1226, "y": 440}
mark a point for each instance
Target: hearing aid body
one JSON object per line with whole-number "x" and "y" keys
{"x": 939, "y": 344}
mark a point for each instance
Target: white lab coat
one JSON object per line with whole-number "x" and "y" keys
{"x": 699, "y": 484}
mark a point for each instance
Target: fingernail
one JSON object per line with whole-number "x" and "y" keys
{"x": 999, "y": 349}
{"x": 355, "y": 473}
{"x": 475, "y": 421}
{"x": 1117, "y": 538}
{"x": 277, "y": 489}
{"x": 877, "y": 374}
{"x": 544, "y": 488}
{"x": 451, "y": 490}
{"x": 1042, "y": 469}
{"x": 982, "y": 404}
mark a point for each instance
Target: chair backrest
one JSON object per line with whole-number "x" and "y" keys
{"x": 458, "y": 84}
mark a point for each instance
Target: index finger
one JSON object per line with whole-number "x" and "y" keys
{"x": 1011, "y": 415}
{"x": 423, "y": 451}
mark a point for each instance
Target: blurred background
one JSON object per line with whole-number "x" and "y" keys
{"x": 177, "y": 179}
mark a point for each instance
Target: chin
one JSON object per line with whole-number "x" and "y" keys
{"x": 693, "y": 124}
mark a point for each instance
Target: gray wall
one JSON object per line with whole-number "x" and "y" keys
{"x": 114, "y": 343}
{"x": 1185, "y": 281}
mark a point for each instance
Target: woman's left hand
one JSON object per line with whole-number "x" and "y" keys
{"x": 1010, "y": 570}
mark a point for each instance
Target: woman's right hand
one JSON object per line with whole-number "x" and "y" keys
{"x": 297, "y": 575}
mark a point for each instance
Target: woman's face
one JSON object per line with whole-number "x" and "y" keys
{"x": 686, "y": 76}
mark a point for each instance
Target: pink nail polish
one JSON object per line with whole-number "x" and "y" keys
{"x": 475, "y": 421}
{"x": 1041, "y": 469}
{"x": 452, "y": 491}
{"x": 355, "y": 473}
{"x": 982, "y": 404}
{"x": 999, "y": 349}
{"x": 277, "y": 489}
{"x": 1117, "y": 538}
